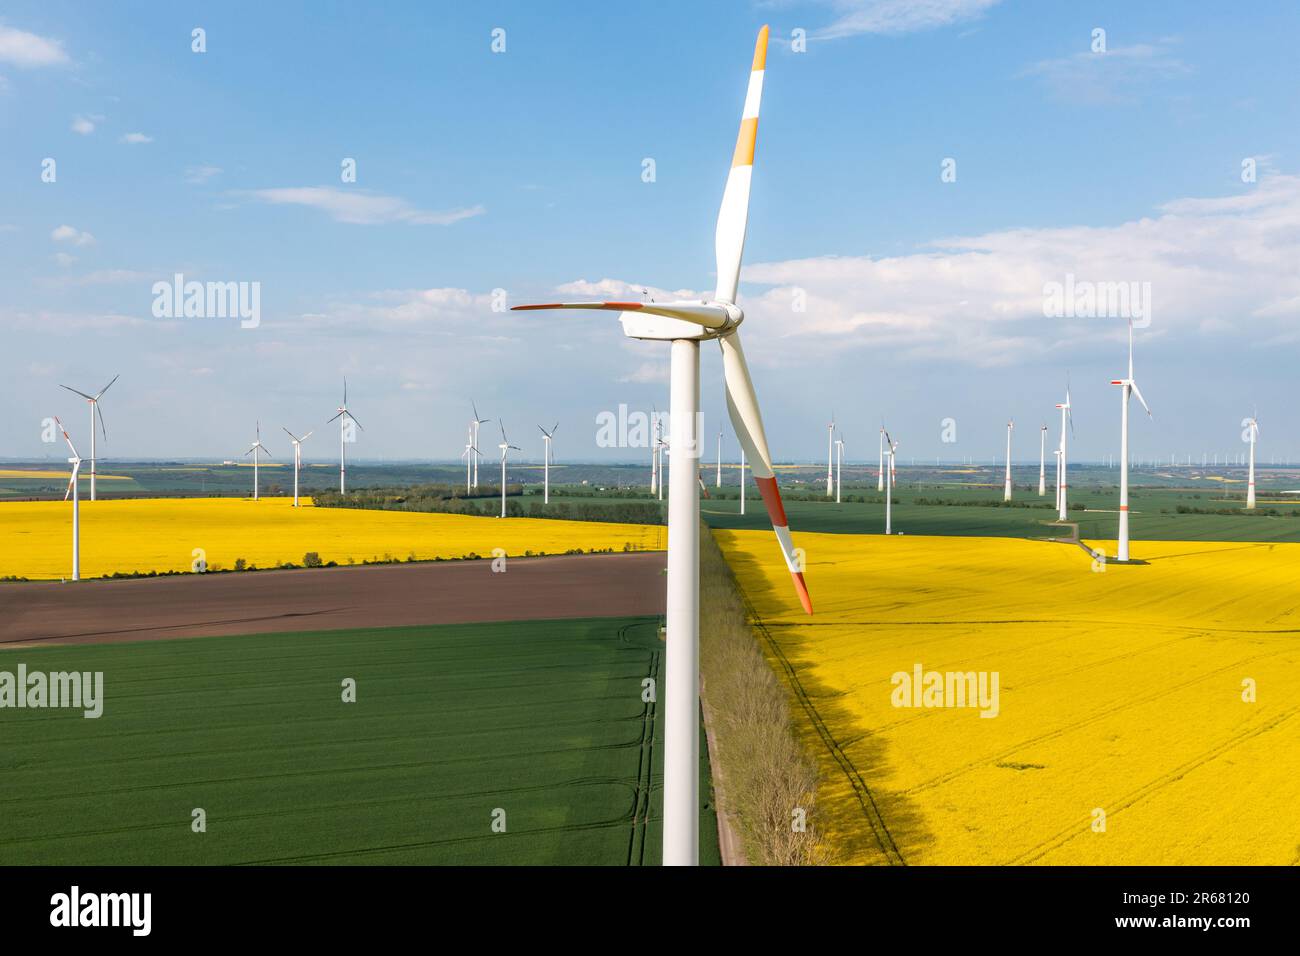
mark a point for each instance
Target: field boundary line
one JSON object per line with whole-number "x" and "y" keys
{"x": 866, "y": 799}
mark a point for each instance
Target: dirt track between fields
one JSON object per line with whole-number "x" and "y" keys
{"x": 258, "y": 602}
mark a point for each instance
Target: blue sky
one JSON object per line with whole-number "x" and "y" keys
{"x": 522, "y": 171}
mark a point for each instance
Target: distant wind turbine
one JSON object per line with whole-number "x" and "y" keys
{"x": 839, "y": 468}
{"x": 1042, "y": 461}
{"x": 547, "y": 438}
{"x": 1128, "y": 386}
{"x": 75, "y": 462}
{"x": 830, "y": 456}
{"x": 297, "y": 459}
{"x": 1253, "y": 426}
{"x": 343, "y": 416}
{"x": 94, "y": 410}
{"x": 1062, "y": 495}
{"x": 504, "y": 446}
{"x": 1006, "y": 486}
{"x": 253, "y": 450}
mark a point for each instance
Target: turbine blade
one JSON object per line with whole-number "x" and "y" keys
{"x": 102, "y": 429}
{"x": 355, "y": 422}
{"x": 332, "y": 419}
{"x": 733, "y": 216}
{"x": 71, "y": 481}
{"x": 697, "y": 313}
{"x": 306, "y": 436}
{"x": 108, "y": 386}
{"x": 742, "y": 404}
{"x": 287, "y": 432}
{"x": 1138, "y": 392}
{"x": 89, "y": 398}
{"x": 66, "y": 438}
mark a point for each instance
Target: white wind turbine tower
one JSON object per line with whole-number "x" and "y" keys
{"x": 94, "y": 410}
{"x": 719, "y": 481}
{"x": 889, "y": 487}
{"x": 343, "y": 416}
{"x": 75, "y": 462}
{"x": 839, "y": 468}
{"x": 1062, "y": 499}
{"x": 297, "y": 459}
{"x": 654, "y": 451}
{"x": 662, "y": 450}
{"x": 1006, "y": 485}
{"x": 830, "y": 456}
{"x": 469, "y": 455}
{"x": 253, "y": 450}
{"x": 474, "y": 423}
{"x": 1056, "y": 452}
{"x": 547, "y": 438}
{"x": 1042, "y": 461}
{"x": 1128, "y": 386}
{"x": 685, "y": 323}
{"x": 880, "y": 471}
{"x": 1253, "y": 426}
{"x": 504, "y": 446}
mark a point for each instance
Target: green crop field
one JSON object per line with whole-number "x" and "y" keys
{"x": 540, "y": 719}
{"x": 978, "y": 511}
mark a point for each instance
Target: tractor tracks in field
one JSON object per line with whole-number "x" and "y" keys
{"x": 1152, "y": 788}
{"x": 866, "y": 799}
{"x": 1093, "y": 718}
{"x": 642, "y": 802}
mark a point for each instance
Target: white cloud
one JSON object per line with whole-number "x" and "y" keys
{"x": 64, "y": 259}
{"x": 1212, "y": 263}
{"x": 135, "y": 138}
{"x": 1109, "y": 77}
{"x": 899, "y": 16}
{"x": 201, "y": 174}
{"x": 23, "y": 49}
{"x": 83, "y": 125}
{"x": 72, "y": 235}
{"x": 360, "y": 206}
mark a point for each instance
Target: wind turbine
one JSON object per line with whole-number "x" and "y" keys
{"x": 889, "y": 488}
{"x": 880, "y": 471}
{"x": 474, "y": 423}
{"x": 663, "y": 448}
{"x": 1042, "y": 461}
{"x": 839, "y": 468}
{"x": 1128, "y": 386}
{"x": 654, "y": 451}
{"x": 685, "y": 323}
{"x": 547, "y": 438}
{"x": 1006, "y": 485}
{"x": 73, "y": 489}
{"x": 830, "y": 456}
{"x": 253, "y": 450}
{"x": 504, "y": 446}
{"x": 297, "y": 459}
{"x": 343, "y": 416}
{"x": 1062, "y": 501}
{"x": 469, "y": 454}
{"x": 1253, "y": 425}
{"x": 94, "y": 410}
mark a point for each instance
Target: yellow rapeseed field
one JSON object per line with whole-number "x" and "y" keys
{"x": 161, "y": 535}
{"x": 1120, "y": 692}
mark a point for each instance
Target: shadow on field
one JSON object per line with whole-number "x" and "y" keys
{"x": 859, "y": 819}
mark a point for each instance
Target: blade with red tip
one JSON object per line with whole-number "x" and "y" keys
{"x": 747, "y": 420}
